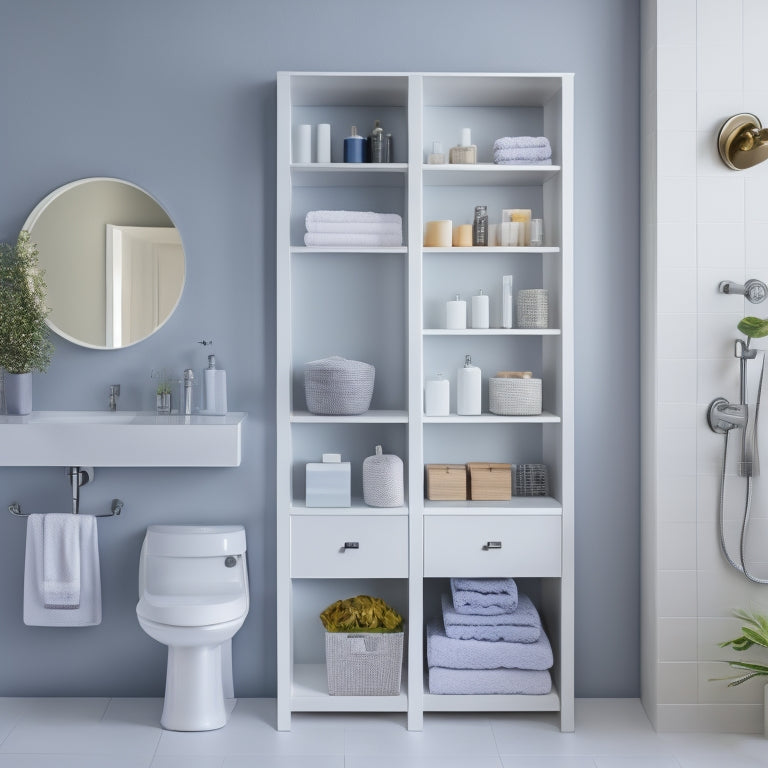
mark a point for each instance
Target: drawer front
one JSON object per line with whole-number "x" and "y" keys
{"x": 492, "y": 545}
{"x": 318, "y": 546}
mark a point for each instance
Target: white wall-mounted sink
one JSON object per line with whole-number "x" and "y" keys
{"x": 119, "y": 439}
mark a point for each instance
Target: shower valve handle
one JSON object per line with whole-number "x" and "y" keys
{"x": 755, "y": 291}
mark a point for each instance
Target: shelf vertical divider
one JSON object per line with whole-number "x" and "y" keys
{"x": 415, "y": 410}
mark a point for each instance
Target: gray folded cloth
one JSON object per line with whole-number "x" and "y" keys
{"x": 484, "y": 596}
{"x": 521, "y": 626}
{"x": 520, "y": 142}
{"x": 443, "y": 651}
{"x": 494, "y": 681}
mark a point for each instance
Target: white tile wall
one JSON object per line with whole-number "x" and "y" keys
{"x": 711, "y": 225}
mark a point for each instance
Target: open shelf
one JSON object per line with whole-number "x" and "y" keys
{"x": 548, "y": 702}
{"x": 490, "y": 418}
{"x": 517, "y": 505}
{"x": 369, "y": 417}
{"x": 492, "y": 332}
{"x": 488, "y": 174}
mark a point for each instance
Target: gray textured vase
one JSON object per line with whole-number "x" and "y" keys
{"x": 18, "y": 393}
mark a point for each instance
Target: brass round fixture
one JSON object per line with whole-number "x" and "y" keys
{"x": 742, "y": 141}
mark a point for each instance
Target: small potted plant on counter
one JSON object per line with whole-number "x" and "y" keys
{"x": 753, "y": 633}
{"x": 24, "y": 343}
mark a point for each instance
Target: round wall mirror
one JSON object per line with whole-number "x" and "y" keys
{"x": 113, "y": 259}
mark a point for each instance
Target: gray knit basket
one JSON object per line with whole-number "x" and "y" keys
{"x": 383, "y": 480}
{"x": 514, "y": 397}
{"x": 533, "y": 308}
{"x": 336, "y": 386}
{"x": 364, "y": 663}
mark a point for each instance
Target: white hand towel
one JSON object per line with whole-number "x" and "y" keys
{"x": 359, "y": 217}
{"x": 330, "y": 239}
{"x": 89, "y": 612}
{"x": 61, "y": 560}
{"x": 356, "y": 228}
{"x": 515, "y": 142}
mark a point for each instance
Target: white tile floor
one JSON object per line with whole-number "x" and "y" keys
{"x": 124, "y": 733}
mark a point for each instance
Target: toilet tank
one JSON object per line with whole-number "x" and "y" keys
{"x": 179, "y": 560}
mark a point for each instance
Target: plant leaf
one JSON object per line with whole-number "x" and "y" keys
{"x": 753, "y": 327}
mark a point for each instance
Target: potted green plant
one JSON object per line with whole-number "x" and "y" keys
{"x": 24, "y": 343}
{"x": 753, "y": 633}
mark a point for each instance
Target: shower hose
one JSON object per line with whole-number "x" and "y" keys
{"x": 742, "y": 566}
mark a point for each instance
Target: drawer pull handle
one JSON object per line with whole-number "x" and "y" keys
{"x": 351, "y": 545}
{"x": 492, "y": 545}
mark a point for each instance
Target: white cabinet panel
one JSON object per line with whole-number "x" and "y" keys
{"x": 349, "y": 547}
{"x": 492, "y": 545}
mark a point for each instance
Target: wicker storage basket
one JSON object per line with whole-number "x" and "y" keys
{"x": 514, "y": 397}
{"x": 364, "y": 663}
{"x": 336, "y": 386}
{"x": 533, "y": 308}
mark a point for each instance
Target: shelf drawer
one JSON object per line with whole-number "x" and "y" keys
{"x": 318, "y": 546}
{"x": 492, "y": 545}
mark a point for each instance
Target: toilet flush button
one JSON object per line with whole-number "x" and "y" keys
{"x": 230, "y": 562}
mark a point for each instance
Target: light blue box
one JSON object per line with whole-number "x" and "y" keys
{"x": 329, "y": 484}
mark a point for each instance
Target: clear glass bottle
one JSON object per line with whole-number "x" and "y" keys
{"x": 376, "y": 143}
{"x": 480, "y": 226}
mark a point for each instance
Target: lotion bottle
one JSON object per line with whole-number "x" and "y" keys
{"x": 215, "y": 389}
{"x": 468, "y": 389}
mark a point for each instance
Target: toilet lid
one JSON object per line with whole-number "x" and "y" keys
{"x": 192, "y": 610}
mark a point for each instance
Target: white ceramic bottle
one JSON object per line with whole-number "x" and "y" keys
{"x": 468, "y": 389}
{"x": 215, "y": 389}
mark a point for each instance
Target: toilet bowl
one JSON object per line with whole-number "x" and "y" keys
{"x": 193, "y": 597}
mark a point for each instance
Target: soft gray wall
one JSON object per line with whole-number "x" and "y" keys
{"x": 178, "y": 97}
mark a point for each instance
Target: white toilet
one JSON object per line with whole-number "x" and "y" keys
{"x": 193, "y": 597}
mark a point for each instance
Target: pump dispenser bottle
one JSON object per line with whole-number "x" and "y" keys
{"x": 354, "y": 147}
{"x": 468, "y": 389}
{"x": 215, "y": 389}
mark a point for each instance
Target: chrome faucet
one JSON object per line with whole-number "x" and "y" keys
{"x": 114, "y": 393}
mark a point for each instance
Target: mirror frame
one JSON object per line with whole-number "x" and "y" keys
{"x": 37, "y": 211}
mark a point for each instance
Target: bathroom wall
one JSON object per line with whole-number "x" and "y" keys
{"x": 179, "y": 98}
{"x": 702, "y": 223}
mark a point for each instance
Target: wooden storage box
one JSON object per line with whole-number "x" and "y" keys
{"x": 446, "y": 482}
{"x": 489, "y": 482}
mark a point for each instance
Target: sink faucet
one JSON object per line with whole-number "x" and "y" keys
{"x": 114, "y": 393}
{"x": 189, "y": 377}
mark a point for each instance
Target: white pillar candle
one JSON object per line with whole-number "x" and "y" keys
{"x": 304, "y": 144}
{"x": 324, "y": 143}
{"x": 456, "y": 314}
{"x": 437, "y": 396}
{"x": 481, "y": 311}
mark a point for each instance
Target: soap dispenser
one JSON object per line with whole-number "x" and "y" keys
{"x": 215, "y": 389}
{"x": 468, "y": 389}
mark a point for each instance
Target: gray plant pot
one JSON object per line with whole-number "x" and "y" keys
{"x": 18, "y": 393}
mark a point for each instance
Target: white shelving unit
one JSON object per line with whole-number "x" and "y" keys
{"x": 383, "y": 306}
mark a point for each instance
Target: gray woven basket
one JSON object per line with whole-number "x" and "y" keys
{"x": 531, "y": 480}
{"x": 336, "y": 386}
{"x": 533, "y": 308}
{"x": 514, "y": 397}
{"x": 364, "y": 663}
{"x": 383, "y": 480}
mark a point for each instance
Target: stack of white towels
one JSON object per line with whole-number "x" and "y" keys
{"x": 522, "y": 150}
{"x": 490, "y": 641}
{"x": 353, "y": 228}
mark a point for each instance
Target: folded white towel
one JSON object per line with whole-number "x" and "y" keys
{"x": 513, "y": 142}
{"x": 359, "y": 217}
{"x": 61, "y": 560}
{"x": 89, "y": 612}
{"x": 356, "y": 228}
{"x": 547, "y": 161}
{"x": 489, "y": 681}
{"x": 325, "y": 239}
{"x": 525, "y": 153}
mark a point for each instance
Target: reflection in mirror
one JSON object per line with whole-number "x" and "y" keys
{"x": 114, "y": 262}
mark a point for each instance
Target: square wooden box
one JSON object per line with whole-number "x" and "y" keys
{"x": 446, "y": 482}
{"x": 489, "y": 482}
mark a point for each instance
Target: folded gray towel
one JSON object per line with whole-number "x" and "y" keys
{"x": 443, "y": 651}
{"x": 520, "y": 142}
{"x": 495, "y": 681}
{"x": 548, "y": 161}
{"x": 520, "y": 626}
{"x": 531, "y": 153}
{"x": 484, "y": 596}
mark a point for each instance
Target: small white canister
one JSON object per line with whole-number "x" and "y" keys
{"x": 383, "y": 480}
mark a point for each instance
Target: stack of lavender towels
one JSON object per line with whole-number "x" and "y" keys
{"x": 353, "y": 228}
{"x": 522, "y": 150}
{"x": 489, "y": 640}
